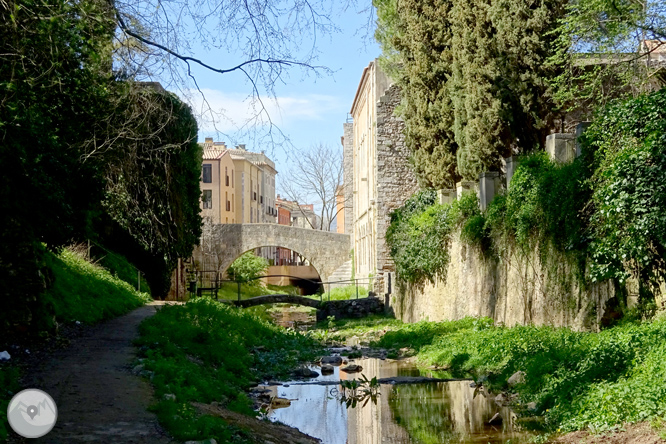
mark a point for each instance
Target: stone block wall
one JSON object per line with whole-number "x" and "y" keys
{"x": 348, "y": 176}
{"x": 355, "y": 308}
{"x": 395, "y": 180}
{"x": 540, "y": 289}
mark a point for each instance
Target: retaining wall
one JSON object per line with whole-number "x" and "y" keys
{"x": 540, "y": 289}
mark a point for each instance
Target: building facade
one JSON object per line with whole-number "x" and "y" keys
{"x": 381, "y": 178}
{"x": 238, "y": 186}
{"x": 218, "y": 192}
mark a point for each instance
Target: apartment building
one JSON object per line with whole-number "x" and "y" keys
{"x": 381, "y": 179}
{"x": 218, "y": 191}
{"x": 256, "y": 173}
{"x": 238, "y": 186}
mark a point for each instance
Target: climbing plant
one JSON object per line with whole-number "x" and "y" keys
{"x": 628, "y": 223}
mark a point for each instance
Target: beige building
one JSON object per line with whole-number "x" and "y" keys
{"x": 364, "y": 114}
{"x": 238, "y": 186}
{"x": 256, "y": 174}
{"x": 218, "y": 191}
{"x": 381, "y": 179}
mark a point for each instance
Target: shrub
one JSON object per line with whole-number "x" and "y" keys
{"x": 629, "y": 198}
{"x": 418, "y": 236}
{"x": 248, "y": 268}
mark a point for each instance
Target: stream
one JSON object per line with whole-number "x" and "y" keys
{"x": 432, "y": 412}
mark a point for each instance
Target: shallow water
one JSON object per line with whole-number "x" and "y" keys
{"x": 437, "y": 412}
{"x": 298, "y": 318}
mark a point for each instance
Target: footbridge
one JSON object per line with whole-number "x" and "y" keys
{"x": 325, "y": 250}
{"x": 354, "y": 308}
{"x": 278, "y": 299}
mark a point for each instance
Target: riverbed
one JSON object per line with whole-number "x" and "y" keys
{"x": 432, "y": 412}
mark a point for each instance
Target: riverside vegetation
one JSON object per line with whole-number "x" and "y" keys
{"x": 578, "y": 380}
{"x": 604, "y": 211}
{"x": 82, "y": 291}
{"x": 209, "y": 352}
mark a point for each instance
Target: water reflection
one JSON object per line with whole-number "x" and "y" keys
{"x": 449, "y": 412}
{"x": 404, "y": 414}
{"x": 298, "y": 318}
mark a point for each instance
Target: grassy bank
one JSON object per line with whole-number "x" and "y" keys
{"x": 229, "y": 290}
{"x": 80, "y": 291}
{"x": 205, "y": 351}
{"x": 87, "y": 292}
{"x": 578, "y": 380}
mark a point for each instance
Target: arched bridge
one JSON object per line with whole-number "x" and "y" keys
{"x": 325, "y": 250}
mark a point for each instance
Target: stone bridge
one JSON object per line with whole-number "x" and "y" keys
{"x": 325, "y": 250}
{"x": 353, "y": 308}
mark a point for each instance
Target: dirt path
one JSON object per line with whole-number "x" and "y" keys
{"x": 98, "y": 398}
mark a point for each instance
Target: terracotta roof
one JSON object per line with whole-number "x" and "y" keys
{"x": 211, "y": 153}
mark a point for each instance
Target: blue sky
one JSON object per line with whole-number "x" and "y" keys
{"x": 307, "y": 109}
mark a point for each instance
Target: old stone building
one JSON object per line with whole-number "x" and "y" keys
{"x": 377, "y": 176}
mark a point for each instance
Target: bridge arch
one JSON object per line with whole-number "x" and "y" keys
{"x": 325, "y": 250}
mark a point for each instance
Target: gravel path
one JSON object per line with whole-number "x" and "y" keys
{"x": 98, "y": 398}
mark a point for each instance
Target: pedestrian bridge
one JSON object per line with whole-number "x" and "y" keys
{"x": 277, "y": 299}
{"x": 353, "y": 308}
{"x": 325, "y": 250}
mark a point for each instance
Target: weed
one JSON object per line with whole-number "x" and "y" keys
{"x": 205, "y": 351}
{"x": 580, "y": 380}
{"x": 86, "y": 292}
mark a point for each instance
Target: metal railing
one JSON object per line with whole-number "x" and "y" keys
{"x": 213, "y": 285}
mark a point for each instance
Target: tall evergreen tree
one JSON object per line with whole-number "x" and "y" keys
{"x": 474, "y": 78}
{"x": 417, "y": 53}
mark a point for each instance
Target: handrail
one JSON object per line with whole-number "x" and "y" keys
{"x": 351, "y": 281}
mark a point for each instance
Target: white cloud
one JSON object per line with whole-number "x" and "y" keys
{"x": 228, "y": 112}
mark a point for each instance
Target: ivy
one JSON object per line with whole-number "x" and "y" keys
{"x": 418, "y": 237}
{"x": 629, "y": 219}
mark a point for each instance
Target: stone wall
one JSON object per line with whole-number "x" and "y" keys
{"x": 511, "y": 290}
{"x": 355, "y": 308}
{"x": 348, "y": 176}
{"x": 395, "y": 180}
{"x": 325, "y": 250}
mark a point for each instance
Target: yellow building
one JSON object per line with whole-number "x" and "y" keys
{"x": 248, "y": 178}
{"x": 372, "y": 86}
{"x": 237, "y": 186}
{"x": 381, "y": 178}
{"x": 218, "y": 190}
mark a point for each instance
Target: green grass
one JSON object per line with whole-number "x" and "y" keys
{"x": 370, "y": 327}
{"x": 121, "y": 268}
{"x": 87, "y": 292}
{"x": 578, "y": 380}
{"x": 229, "y": 290}
{"x": 343, "y": 293}
{"x": 80, "y": 291}
{"x": 206, "y": 351}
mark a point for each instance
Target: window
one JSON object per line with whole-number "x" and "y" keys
{"x": 254, "y": 196}
{"x": 207, "y": 173}
{"x": 207, "y": 199}
{"x": 226, "y": 175}
{"x": 232, "y": 178}
{"x": 262, "y": 199}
